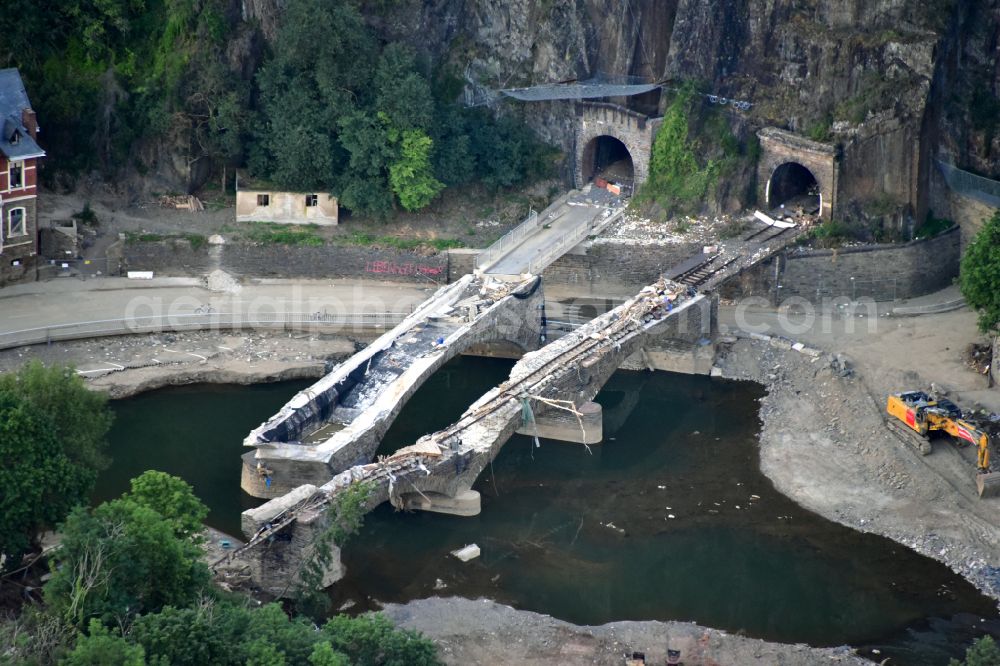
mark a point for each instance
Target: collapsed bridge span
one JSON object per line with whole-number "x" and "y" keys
{"x": 339, "y": 421}
{"x": 447, "y": 463}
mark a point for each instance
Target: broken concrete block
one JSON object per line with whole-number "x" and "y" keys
{"x": 467, "y": 553}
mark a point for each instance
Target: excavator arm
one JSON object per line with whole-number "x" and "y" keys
{"x": 963, "y": 430}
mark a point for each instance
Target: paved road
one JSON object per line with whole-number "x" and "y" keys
{"x": 580, "y": 212}
{"x": 70, "y": 301}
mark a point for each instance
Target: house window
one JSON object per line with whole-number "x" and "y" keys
{"x": 312, "y": 200}
{"x": 263, "y": 199}
{"x": 17, "y": 224}
{"x": 15, "y": 138}
{"x": 16, "y": 175}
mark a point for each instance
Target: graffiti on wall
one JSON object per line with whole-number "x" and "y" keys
{"x": 392, "y": 268}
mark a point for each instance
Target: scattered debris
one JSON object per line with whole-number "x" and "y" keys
{"x": 466, "y": 553}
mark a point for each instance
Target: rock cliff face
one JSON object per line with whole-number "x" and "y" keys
{"x": 893, "y": 82}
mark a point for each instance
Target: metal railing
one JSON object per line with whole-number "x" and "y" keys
{"x": 541, "y": 261}
{"x": 507, "y": 242}
{"x": 198, "y": 321}
{"x": 982, "y": 189}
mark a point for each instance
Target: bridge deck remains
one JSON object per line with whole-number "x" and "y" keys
{"x": 571, "y": 369}
{"x": 447, "y": 462}
{"x": 560, "y": 227}
{"x": 339, "y": 421}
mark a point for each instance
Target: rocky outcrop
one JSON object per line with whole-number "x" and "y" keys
{"x": 867, "y": 76}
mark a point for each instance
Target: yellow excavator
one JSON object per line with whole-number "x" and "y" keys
{"x": 915, "y": 415}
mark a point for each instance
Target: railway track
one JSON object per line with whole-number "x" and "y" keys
{"x": 776, "y": 231}
{"x": 631, "y": 317}
{"x": 703, "y": 272}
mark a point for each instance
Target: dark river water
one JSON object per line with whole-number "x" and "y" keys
{"x": 669, "y": 519}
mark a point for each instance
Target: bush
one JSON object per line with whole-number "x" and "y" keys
{"x": 984, "y": 652}
{"x": 980, "y": 274}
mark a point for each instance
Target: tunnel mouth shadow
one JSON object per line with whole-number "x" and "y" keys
{"x": 792, "y": 185}
{"x": 606, "y": 157}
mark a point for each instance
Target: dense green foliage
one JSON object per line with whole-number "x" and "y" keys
{"x": 984, "y": 652}
{"x": 125, "y": 557}
{"x": 980, "y": 274}
{"x": 375, "y": 136}
{"x": 676, "y": 181}
{"x": 129, "y": 589}
{"x": 100, "y": 647}
{"x": 328, "y": 107}
{"x": 52, "y": 442}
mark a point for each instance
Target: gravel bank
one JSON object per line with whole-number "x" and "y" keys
{"x": 484, "y": 632}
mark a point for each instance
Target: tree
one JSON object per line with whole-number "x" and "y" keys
{"x": 81, "y": 417}
{"x": 100, "y": 647}
{"x": 52, "y": 442}
{"x": 124, "y": 558}
{"x": 984, "y": 652}
{"x": 372, "y": 640}
{"x": 172, "y": 498}
{"x": 980, "y": 274}
{"x": 411, "y": 175}
{"x": 205, "y": 633}
{"x": 320, "y": 69}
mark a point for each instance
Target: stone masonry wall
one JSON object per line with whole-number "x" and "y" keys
{"x": 880, "y": 272}
{"x": 18, "y": 256}
{"x": 633, "y": 129}
{"x": 617, "y": 265}
{"x": 178, "y": 257}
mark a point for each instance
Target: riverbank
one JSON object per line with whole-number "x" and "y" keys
{"x": 128, "y": 365}
{"x": 824, "y": 444}
{"x": 484, "y": 632}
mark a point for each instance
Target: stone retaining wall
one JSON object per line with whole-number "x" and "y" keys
{"x": 880, "y": 272}
{"x": 179, "y": 257}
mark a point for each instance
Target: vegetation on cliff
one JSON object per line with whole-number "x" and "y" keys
{"x": 325, "y": 106}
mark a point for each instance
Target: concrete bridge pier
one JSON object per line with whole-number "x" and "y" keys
{"x": 565, "y": 426}
{"x": 464, "y": 503}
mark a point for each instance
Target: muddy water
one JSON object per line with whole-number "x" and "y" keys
{"x": 670, "y": 518}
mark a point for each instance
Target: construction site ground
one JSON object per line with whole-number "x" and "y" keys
{"x": 483, "y": 632}
{"x": 824, "y": 442}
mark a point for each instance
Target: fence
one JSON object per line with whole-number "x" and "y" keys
{"x": 507, "y": 242}
{"x": 198, "y": 321}
{"x": 540, "y": 262}
{"x": 977, "y": 187}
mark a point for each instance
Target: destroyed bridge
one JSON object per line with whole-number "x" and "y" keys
{"x": 323, "y": 442}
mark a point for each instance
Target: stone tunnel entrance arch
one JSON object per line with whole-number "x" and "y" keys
{"x": 791, "y": 164}
{"x": 795, "y": 185}
{"x": 606, "y": 157}
{"x": 608, "y": 132}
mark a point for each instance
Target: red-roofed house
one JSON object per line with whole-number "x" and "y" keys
{"x": 19, "y": 155}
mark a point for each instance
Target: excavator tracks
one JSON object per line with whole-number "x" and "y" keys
{"x": 921, "y": 444}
